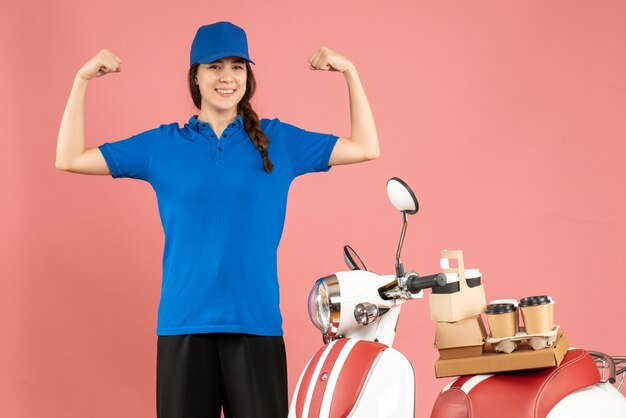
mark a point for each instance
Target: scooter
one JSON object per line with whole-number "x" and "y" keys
{"x": 358, "y": 374}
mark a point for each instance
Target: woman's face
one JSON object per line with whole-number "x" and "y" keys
{"x": 222, "y": 83}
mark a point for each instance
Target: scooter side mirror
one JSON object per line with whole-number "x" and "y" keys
{"x": 352, "y": 259}
{"x": 403, "y": 199}
{"x": 401, "y": 196}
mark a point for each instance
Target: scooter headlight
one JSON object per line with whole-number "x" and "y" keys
{"x": 324, "y": 306}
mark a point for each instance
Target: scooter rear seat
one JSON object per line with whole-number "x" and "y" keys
{"x": 522, "y": 394}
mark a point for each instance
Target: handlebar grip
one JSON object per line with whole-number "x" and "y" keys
{"x": 415, "y": 283}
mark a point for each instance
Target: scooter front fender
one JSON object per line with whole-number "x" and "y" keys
{"x": 355, "y": 378}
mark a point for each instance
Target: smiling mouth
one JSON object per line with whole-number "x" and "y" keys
{"x": 225, "y": 92}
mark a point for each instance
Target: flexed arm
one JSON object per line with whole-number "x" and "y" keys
{"x": 71, "y": 154}
{"x": 363, "y": 142}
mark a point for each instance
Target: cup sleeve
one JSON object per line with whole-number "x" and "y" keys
{"x": 130, "y": 157}
{"x": 308, "y": 151}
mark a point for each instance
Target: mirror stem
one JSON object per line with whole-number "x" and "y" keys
{"x": 399, "y": 266}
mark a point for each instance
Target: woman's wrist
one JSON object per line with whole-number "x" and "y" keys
{"x": 80, "y": 79}
{"x": 80, "y": 84}
{"x": 350, "y": 72}
{"x": 350, "y": 68}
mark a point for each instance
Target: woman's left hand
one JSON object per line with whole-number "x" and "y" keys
{"x": 326, "y": 59}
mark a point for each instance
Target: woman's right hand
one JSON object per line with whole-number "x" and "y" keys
{"x": 103, "y": 63}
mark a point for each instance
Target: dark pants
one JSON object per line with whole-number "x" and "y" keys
{"x": 197, "y": 374}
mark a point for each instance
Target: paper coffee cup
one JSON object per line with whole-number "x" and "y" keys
{"x": 473, "y": 277}
{"x": 451, "y": 286}
{"x": 538, "y": 314}
{"x": 503, "y": 319}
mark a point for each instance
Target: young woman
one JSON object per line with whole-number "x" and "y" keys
{"x": 221, "y": 183}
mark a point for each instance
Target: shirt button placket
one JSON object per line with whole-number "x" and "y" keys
{"x": 219, "y": 156}
{"x": 219, "y": 153}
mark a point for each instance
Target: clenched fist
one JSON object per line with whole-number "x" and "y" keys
{"x": 103, "y": 63}
{"x": 326, "y": 59}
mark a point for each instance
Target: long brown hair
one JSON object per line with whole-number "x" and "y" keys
{"x": 244, "y": 108}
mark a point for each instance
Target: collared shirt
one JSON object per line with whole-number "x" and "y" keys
{"x": 198, "y": 125}
{"x": 222, "y": 215}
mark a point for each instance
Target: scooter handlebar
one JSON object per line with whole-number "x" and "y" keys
{"x": 415, "y": 283}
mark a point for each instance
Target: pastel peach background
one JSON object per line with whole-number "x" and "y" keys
{"x": 508, "y": 119}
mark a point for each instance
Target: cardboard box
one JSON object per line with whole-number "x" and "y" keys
{"x": 522, "y": 358}
{"x": 465, "y": 338}
{"x": 467, "y": 302}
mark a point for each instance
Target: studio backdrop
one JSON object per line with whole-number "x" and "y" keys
{"x": 506, "y": 118}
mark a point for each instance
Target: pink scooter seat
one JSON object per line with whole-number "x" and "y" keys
{"x": 523, "y": 394}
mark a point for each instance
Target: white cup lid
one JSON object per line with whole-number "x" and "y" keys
{"x": 452, "y": 277}
{"x": 511, "y": 301}
{"x": 472, "y": 273}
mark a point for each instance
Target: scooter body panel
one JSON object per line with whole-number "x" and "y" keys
{"x": 601, "y": 400}
{"x": 355, "y": 378}
{"x": 354, "y": 292}
{"x": 389, "y": 390}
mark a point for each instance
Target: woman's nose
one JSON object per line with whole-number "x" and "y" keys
{"x": 226, "y": 76}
